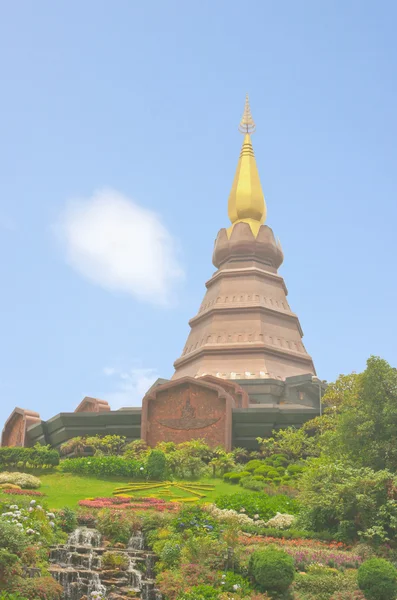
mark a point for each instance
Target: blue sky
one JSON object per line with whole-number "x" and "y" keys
{"x": 118, "y": 146}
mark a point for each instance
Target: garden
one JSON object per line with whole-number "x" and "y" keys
{"x": 311, "y": 514}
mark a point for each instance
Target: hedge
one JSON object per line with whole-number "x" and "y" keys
{"x": 37, "y": 457}
{"x": 102, "y": 466}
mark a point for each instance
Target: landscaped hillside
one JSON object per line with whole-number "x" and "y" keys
{"x": 312, "y": 514}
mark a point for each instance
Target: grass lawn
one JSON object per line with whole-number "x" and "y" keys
{"x": 65, "y": 489}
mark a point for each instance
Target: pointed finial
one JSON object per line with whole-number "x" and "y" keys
{"x": 246, "y": 200}
{"x": 247, "y": 123}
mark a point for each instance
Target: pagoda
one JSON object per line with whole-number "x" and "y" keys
{"x": 245, "y": 328}
{"x": 244, "y": 371}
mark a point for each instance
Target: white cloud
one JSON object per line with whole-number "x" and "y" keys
{"x": 130, "y": 386}
{"x": 119, "y": 245}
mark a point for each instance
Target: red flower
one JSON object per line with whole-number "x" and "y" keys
{"x": 23, "y": 493}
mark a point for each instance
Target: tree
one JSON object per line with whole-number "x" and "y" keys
{"x": 350, "y": 502}
{"x": 367, "y": 426}
{"x": 222, "y": 463}
{"x": 293, "y": 443}
{"x": 342, "y": 393}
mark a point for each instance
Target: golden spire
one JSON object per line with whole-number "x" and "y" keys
{"x": 246, "y": 200}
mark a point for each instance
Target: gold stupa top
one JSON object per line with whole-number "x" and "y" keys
{"x": 246, "y": 200}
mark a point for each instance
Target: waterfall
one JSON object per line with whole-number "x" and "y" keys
{"x": 95, "y": 585}
{"x": 76, "y": 565}
{"x": 84, "y": 536}
{"x": 136, "y": 542}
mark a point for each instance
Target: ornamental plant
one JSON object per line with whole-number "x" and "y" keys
{"x": 323, "y": 582}
{"x": 115, "y": 561}
{"x": 87, "y": 518}
{"x": 273, "y": 570}
{"x": 116, "y": 526}
{"x": 377, "y": 578}
{"x": 126, "y": 502}
{"x": 35, "y": 521}
{"x": 253, "y": 504}
{"x": 36, "y": 457}
{"x": 102, "y": 466}
{"x": 8, "y": 566}
{"x": 235, "y": 477}
{"x": 156, "y": 465}
{"x": 281, "y": 521}
{"x": 12, "y": 537}
{"x": 16, "y": 492}
{"x": 24, "y": 480}
{"x": 352, "y": 503}
{"x": 38, "y": 588}
{"x": 66, "y": 519}
{"x": 233, "y": 582}
{"x": 200, "y": 592}
{"x": 252, "y": 483}
{"x": 229, "y": 515}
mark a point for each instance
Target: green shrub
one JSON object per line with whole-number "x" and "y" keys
{"x": 233, "y": 582}
{"x": 249, "y": 483}
{"x": 12, "y": 538}
{"x": 9, "y": 486}
{"x": 273, "y": 570}
{"x": 102, "y": 466}
{"x": 235, "y": 477}
{"x": 170, "y": 554}
{"x": 349, "y": 502}
{"x": 200, "y": 592}
{"x": 348, "y": 595}
{"x": 280, "y": 458}
{"x": 157, "y": 465}
{"x": 294, "y": 470}
{"x": 115, "y": 561}
{"x": 24, "y": 480}
{"x": 323, "y": 582}
{"x": 67, "y": 519}
{"x": 37, "y": 457}
{"x": 258, "y": 504}
{"x": 8, "y": 562}
{"x": 115, "y": 525}
{"x": 253, "y": 464}
{"x": 38, "y": 588}
{"x": 377, "y": 578}
{"x": 286, "y": 480}
{"x": 267, "y": 471}
{"x": 10, "y": 596}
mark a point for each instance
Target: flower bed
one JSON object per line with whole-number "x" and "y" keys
{"x": 307, "y": 552}
{"x": 24, "y": 480}
{"x": 15, "y": 492}
{"x": 126, "y": 502}
{"x": 34, "y": 521}
{"x": 248, "y": 540}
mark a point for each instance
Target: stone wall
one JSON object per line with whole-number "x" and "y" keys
{"x": 188, "y": 409}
